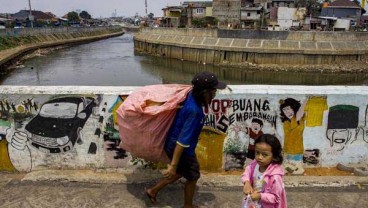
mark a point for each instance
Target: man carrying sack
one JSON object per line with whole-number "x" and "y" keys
{"x": 183, "y": 137}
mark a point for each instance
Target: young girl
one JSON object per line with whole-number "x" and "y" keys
{"x": 262, "y": 178}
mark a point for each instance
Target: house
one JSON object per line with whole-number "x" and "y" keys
{"x": 343, "y": 9}
{"x": 197, "y": 10}
{"x": 172, "y": 15}
{"x": 273, "y": 10}
{"x": 283, "y": 3}
{"x": 227, "y": 12}
{"x": 38, "y": 15}
{"x": 312, "y": 23}
{"x": 250, "y": 16}
{"x": 289, "y": 18}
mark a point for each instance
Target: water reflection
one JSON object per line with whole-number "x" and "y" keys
{"x": 112, "y": 62}
{"x": 172, "y": 70}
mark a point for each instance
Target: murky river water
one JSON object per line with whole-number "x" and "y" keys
{"x": 112, "y": 62}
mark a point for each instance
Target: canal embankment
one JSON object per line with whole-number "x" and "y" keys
{"x": 16, "y": 43}
{"x": 264, "y": 50}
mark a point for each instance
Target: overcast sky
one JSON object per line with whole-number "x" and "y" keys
{"x": 97, "y": 8}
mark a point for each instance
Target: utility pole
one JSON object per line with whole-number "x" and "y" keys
{"x": 145, "y": 1}
{"x": 30, "y": 17}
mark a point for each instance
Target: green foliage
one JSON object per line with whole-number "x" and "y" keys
{"x": 313, "y": 6}
{"x": 198, "y": 22}
{"x": 10, "y": 41}
{"x": 357, "y": 2}
{"x": 85, "y": 15}
{"x": 150, "y": 15}
{"x": 204, "y": 22}
{"x": 232, "y": 147}
{"x": 73, "y": 17}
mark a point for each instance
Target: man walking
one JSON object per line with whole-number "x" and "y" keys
{"x": 183, "y": 138}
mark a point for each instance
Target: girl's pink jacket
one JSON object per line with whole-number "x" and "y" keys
{"x": 273, "y": 193}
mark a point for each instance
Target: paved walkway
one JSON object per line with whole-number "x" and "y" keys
{"x": 126, "y": 189}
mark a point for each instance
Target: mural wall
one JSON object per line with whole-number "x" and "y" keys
{"x": 80, "y": 131}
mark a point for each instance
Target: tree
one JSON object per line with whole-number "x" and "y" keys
{"x": 313, "y": 6}
{"x": 198, "y": 22}
{"x": 85, "y": 15}
{"x": 358, "y": 3}
{"x": 73, "y": 17}
{"x": 150, "y": 15}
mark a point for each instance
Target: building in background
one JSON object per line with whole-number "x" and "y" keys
{"x": 251, "y": 16}
{"x": 197, "y": 14}
{"x": 341, "y": 9}
{"x": 227, "y": 12}
{"x": 172, "y": 15}
{"x": 291, "y": 18}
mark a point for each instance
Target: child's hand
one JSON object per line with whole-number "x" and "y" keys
{"x": 255, "y": 196}
{"x": 247, "y": 189}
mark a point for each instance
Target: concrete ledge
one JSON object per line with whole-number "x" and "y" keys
{"x": 258, "y": 45}
{"x": 234, "y": 89}
{"x": 126, "y": 176}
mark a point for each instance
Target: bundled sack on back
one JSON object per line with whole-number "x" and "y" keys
{"x": 145, "y": 118}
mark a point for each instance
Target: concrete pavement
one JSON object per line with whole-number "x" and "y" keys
{"x": 123, "y": 188}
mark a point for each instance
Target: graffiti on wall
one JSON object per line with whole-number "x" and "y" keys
{"x": 240, "y": 121}
{"x": 292, "y": 116}
{"x": 311, "y": 157}
{"x": 343, "y": 126}
{"x": 61, "y": 131}
{"x": 111, "y": 132}
{"x": 30, "y": 132}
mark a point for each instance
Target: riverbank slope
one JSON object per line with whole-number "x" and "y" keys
{"x": 13, "y": 47}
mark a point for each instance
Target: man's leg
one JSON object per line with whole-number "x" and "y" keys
{"x": 189, "y": 190}
{"x": 153, "y": 191}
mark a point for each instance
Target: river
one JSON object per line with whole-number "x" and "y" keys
{"x": 112, "y": 62}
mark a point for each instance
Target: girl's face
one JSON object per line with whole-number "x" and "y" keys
{"x": 263, "y": 154}
{"x": 288, "y": 111}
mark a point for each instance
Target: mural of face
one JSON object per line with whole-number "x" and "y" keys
{"x": 339, "y": 137}
{"x": 256, "y": 127}
{"x": 289, "y": 112}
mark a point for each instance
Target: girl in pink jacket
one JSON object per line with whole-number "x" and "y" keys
{"x": 262, "y": 178}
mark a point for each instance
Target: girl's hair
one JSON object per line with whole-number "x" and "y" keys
{"x": 294, "y": 104}
{"x": 275, "y": 145}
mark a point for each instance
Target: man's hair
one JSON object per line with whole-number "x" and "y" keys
{"x": 198, "y": 94}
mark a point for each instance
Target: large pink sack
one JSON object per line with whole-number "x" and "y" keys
{"x": 145, "y": 118}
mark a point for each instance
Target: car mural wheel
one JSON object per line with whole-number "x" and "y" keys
{"x": 79, "y": 136}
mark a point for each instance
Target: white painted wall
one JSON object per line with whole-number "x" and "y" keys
{"x": 338, "y": 140}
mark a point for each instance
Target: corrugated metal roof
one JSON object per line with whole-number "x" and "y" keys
{"x": 23, "y": 14}
{"x": 197, "y": 3}
{"x": 251, "y": 8}
{"x": 344, "y": 3}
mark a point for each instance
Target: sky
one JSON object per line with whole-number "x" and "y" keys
{"x": 97, "y": 8}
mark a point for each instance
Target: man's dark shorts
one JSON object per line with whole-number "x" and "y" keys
{"x": 188, "y": 167}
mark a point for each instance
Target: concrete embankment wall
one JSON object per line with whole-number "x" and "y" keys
{"x": 14, "y": 43}
{"x": 71, "y": 127}
{"x": 259, "y": 47}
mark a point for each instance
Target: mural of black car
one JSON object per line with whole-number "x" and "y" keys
{"x": 57, "y": 126}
